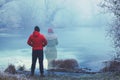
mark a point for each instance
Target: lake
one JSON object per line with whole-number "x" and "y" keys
{"x": 88, "y": 45}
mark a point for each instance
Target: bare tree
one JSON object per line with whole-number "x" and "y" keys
{"x": 51, "y": 13}
{"x": 3, "y": 2}
{"x": 113, "y": 6}
{"x": 9, "y": 17}
{"x": 30, "y": 14}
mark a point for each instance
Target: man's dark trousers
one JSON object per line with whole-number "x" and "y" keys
{"x": 37, "y": 54}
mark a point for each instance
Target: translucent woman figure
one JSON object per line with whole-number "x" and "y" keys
{"x": 51, "y": 51}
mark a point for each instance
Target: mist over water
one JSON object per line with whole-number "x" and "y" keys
{"x": 81, "y": 31}
{"x": 90, "y": 49}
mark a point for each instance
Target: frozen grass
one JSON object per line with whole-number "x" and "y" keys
{"x": 98, "y": 76}
{"x": 6, "y": 76}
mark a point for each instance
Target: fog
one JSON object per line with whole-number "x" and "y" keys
{"x": 79, "y": 24}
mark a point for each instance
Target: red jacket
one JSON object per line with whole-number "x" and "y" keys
{"x": 37, "y": 41}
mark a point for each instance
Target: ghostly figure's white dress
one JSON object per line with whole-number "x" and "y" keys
{"x": 50, "y": 50}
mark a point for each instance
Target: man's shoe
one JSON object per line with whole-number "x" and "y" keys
{"x": 31, "y": 75}
{"x": 42, "y": 75}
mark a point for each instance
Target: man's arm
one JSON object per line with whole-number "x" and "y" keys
{"x": 44, "y": 41}
{"x": 29, "y": 42}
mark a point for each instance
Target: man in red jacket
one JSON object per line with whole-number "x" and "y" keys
{"x": 37, "y": 41}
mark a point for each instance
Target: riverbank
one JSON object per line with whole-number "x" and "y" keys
{"x": 78, "y": 76}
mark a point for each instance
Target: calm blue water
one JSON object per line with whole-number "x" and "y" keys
{"x": 88, "y": 46}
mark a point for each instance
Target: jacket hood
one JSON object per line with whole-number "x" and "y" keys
{"x": 36, "y": 33}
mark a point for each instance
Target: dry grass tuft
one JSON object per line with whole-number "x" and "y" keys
{"x": 10, "y": 69}
{"x": 111, "y": 66}
{"x": 65, "y": 64}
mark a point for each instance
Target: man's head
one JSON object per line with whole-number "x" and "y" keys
{"x": 37, "y": 28}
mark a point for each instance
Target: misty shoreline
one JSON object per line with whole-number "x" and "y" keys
{"x": 23, "y": 56}
{"x": 25, "y": 76}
